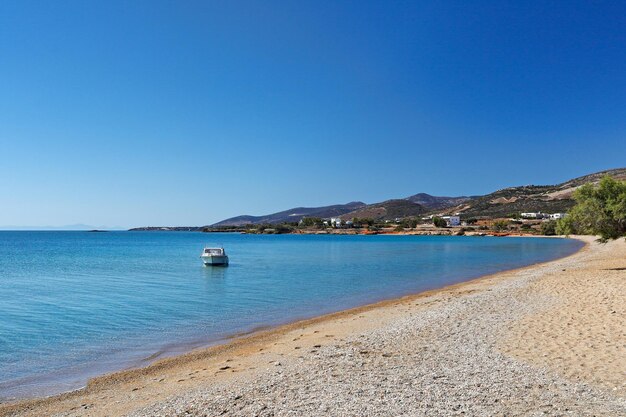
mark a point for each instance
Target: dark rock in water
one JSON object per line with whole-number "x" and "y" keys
{"x": 97, "y": 231}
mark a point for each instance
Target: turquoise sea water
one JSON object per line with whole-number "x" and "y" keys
{"x": 77, "y": 304}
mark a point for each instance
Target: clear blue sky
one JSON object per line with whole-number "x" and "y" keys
{"x": 185, "y": 113}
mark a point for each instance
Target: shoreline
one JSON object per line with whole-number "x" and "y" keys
{"x": 250, "y": 340}
{"x": 423, "y": 230}
{"x": 180, "y": 349}
{"x": 175, "y": 350}
{"x": 81, "y": 378}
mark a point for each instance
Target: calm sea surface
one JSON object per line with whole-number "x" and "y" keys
{"x": 77, "y": 304}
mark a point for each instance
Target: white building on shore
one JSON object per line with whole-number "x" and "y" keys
{"x": 452, "y": 220}
{"x": 335, "y": 222}
{"x": 537, "y": 215}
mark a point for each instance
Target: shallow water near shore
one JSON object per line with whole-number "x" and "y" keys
{"x": 77, "y": 304}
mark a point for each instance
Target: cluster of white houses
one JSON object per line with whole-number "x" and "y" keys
{"x": 455, "y": 220}
{"x": 539, "y": 215}
{"x": 336, "y": 222}
{"x": 450, "y": 220}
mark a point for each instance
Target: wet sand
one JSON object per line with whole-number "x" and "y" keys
{"x": 548, "y": 339}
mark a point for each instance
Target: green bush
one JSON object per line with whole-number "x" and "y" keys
{"x": 362, "y": 221}
{"x": 599, "y": 210}
{"x": 548, "y": 228}
{"x": 283, "y": 228}
{"x": 311, "y": 222}
{"x": 408, "y": 223}
{"x": 439, "y": 222}
{"x": 500, "y": 225}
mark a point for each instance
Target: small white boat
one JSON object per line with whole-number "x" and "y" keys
{"x": 214, "y": 256}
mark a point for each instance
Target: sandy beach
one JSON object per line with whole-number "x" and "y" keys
{"x": 548, "y": 339}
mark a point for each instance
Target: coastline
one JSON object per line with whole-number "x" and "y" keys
{"x": 209, "y": 365}
{"x": 412, "y": 268}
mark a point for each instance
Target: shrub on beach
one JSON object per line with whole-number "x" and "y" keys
{"x": 311, "y": 222}
{"x": 548, "y": 228}
{"x": 599, "y": 210}
{"x": 362, "y": 221}
{"x": 500, "y": 225}
{"x": 439, "y": 222}
{"x": 409, "y": 223}
{"x": 283, "y": 228}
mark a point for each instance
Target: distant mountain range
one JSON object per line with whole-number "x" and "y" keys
{"x": 501, "y": 203}
{"x": 293, "y": 215}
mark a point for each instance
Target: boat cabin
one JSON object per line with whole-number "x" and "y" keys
{"x": 214, "y": 251}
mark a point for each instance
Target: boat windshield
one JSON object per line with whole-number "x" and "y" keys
{"x": 214, "y": 251}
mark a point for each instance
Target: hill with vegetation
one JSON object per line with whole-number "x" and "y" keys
{"x": 433, "y": 203}
{"x": 293, "y": 215}
{"x": 387, "y": 210}
{"x": 507, "y": 202}
{"x": 530, "y": 198}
